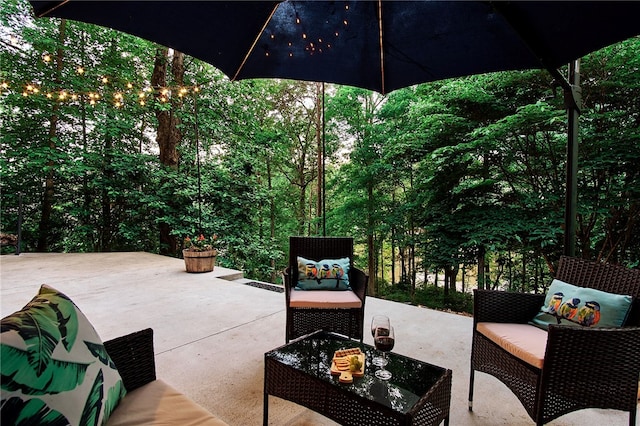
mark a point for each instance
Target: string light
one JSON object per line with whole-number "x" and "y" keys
{"x": 47, "y": 57}
{"x": 80, "y": 70}
{"x": 93, "y": 97}
{"x": 319, "y": 44}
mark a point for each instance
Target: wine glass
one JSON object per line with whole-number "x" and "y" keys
{"x": 384, "y": 341}
{"x": 379, "y": 322}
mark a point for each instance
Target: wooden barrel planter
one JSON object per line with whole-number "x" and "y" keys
{"x": 199, "y": 261}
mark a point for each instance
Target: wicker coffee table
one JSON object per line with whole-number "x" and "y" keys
{"x": 417, "y": 394}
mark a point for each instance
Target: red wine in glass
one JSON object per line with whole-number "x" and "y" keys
{"x": 380, "y": 323}
{"x": 384, "y": 341}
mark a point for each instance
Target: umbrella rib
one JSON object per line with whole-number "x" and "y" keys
{"x": 246, "y": 57}
{"x": 51, "y": 9}
{"x": 381, "y": 45}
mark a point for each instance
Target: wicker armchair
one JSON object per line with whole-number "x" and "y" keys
{"x": 583, "y": 367}
{"x": 303, "y": 320}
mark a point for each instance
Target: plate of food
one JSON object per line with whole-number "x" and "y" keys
{"x": 348, "y": 363}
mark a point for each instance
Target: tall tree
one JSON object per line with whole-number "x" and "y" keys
{"x": 168, "y": 135}
{"x": 49, "y": 187}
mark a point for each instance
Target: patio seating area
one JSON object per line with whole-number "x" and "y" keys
{"x": 211, "y": 333}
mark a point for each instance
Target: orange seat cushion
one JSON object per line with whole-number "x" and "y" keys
{"x": 524, "y": 341}
{"x": 326, "y": 299}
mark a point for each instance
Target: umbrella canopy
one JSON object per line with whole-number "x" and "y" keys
{"x": 377, "y": 45}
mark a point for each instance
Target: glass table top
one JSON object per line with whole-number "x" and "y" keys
{"x": 313, "y": 354}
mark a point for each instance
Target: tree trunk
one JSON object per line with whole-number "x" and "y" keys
{"x": 373, "y": 285}
{"x": 44, "y": 226}
{"x": 272, "y": 217}
{"x": 319, "y": 112}
{"x": 169, "y": 135}
{"x": 481, "y": 267}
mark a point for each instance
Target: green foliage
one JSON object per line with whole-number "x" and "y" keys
{"x": 425, "y": 179}
{"x": 431, "y": 297}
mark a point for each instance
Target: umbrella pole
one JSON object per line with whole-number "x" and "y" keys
{"x": 572, "y": 101}
{"x": 195, "y": 113}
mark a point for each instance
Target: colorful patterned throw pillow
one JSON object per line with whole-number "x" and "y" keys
{"x": 55, "y": 369}
{"x": 568, "y": 304}
{"x": 327, "y": 274}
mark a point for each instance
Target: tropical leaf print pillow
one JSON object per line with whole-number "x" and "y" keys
{"x": 55, "y": 369}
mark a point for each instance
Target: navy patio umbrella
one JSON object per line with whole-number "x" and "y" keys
{"x": 378, "y": 45}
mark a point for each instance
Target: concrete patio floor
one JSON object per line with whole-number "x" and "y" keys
{"x": 211, "y": 333}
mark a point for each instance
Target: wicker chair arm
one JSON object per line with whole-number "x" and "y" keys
{"x": 288, "y": 284}
{"x": 358, "y": 280}
{"x": 505, "y": 307}
{"x": 593, "y": 365}
{"x": 134, "y": 358}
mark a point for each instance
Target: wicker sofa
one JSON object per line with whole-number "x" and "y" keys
{"x": 149, "y": 400}
{"x": 57, "y": 370}
{"x": 566, "y": 368}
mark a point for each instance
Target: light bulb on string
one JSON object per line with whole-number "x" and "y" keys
{"x": 80, "y": 70}
{"x": 129, "y": 86}
{"x": 47, "y": 58}
{"x": 105, "y": 80}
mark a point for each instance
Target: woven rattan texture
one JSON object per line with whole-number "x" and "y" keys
{"x": 342, "y": 321}
{"x": 301, "y": 321}
{"x": 134, "y": 358}
{"x": 583, "y": 367}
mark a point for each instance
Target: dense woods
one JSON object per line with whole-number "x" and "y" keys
{"x": 113, "y": 143}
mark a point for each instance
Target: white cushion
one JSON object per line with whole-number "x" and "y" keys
{"x": 524, "y": 341}
{"x": 327, "y": 299}
{"x": 157, "y": 403}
